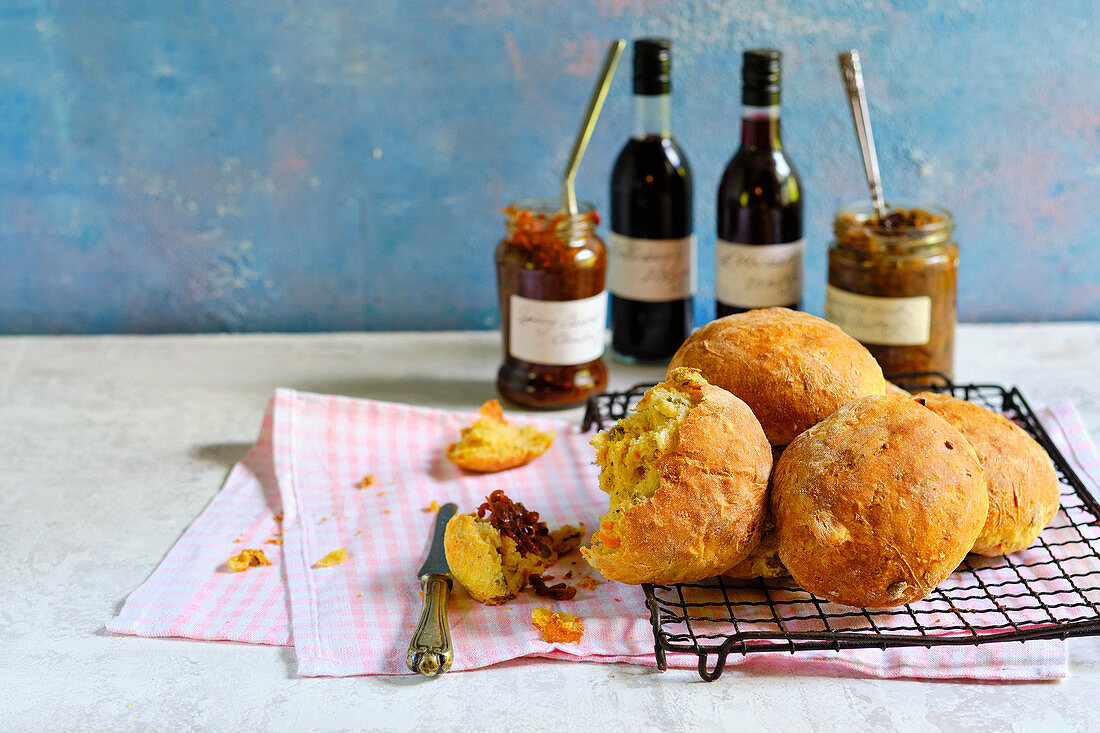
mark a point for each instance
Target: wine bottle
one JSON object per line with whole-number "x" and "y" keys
{"x": 758, "y": 255}
{"x": 651, "y": 247}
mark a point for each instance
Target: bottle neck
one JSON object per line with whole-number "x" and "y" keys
{"x": 760, "y": 127}
{"x": 652, "y": 115}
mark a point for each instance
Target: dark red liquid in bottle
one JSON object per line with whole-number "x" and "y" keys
{"x": 760, "y": 195}
{"x": 650, "y": 199}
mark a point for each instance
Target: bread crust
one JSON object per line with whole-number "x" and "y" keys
{"x": 1024, "y": 493}
{"x": 709, "y": 507}
{"x": 878, "y": 503}
{"x": 792, "y": 369}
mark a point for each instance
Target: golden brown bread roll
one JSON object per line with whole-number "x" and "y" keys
{"x": 687, "y": 472}
{"x": 1023, "y": 487}
{"x": 878, "y": 503}
{"x": 791, "y": 368}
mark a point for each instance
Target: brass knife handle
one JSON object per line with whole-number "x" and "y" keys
{"x": 430, "y": 652}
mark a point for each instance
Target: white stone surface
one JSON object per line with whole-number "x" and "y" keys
{"x": 110, "y": 446}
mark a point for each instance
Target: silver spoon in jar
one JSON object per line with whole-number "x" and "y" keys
{"x": 595, "y": 104}
{"x": 857, "y": 99}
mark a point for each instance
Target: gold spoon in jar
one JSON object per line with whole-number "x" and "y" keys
{"x": 595, "y": 104}
{"x": 853, "y": 82}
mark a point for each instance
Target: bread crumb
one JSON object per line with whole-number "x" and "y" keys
{"x": 278, "y": 517}
{"x": 493, "y": 444}
{"x": 433, "y": 507}
{"x": 246, "y": 559}
{"x": 333, "y": 558}
{"x": 385, "y": 511}
{"x": 588, "y": 583}
{"x": 365, "y": 482}
{"x": 557, "y": 627}
{"x": 275, "y": 541}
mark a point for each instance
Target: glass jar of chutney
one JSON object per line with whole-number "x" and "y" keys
{"x": 892, "y": 285}
{"x": 551, "y": 268}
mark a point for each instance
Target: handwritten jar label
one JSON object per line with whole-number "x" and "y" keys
{"x": 651, "y": 270}
{"x": 557, "y": 332}
{"x": 871, "y": 319}
{"x": 758, "y": 275}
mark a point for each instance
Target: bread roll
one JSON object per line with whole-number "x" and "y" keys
{"x": 1023, "y": 487}
{"x": 878, "y": 503}
{"x": 791, "y": 368}
{"x": 688, "y": 477}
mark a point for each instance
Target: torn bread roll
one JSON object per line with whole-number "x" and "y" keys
{"x": 494, "y": 551}
{"x": 687, "y": 473}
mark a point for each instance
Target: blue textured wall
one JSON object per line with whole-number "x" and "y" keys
{"x": 339, "y": 164}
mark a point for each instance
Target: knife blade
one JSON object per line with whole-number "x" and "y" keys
{"x": 430, "y": 652}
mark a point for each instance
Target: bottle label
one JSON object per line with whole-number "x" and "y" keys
{"x": 557, "y": 332}
{"x": 651, "y": 270}
{"x": 874, "y": 320}
{"x": 758, "y": 275}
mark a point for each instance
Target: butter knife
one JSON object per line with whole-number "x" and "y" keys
{"x": 430, "y": 652}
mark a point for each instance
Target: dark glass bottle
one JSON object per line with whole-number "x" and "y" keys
{"x": 651, "y": 248}
{"x": 758, "y": 255}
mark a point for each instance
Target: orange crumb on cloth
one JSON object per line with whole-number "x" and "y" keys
{"x": 246, "y": 559}
{"x": 557, "y": 627}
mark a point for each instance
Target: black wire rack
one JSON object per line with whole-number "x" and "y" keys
{"x": 1049, "y": 591}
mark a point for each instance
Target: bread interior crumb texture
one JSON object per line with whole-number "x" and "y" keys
{"x": 629, "y": 451}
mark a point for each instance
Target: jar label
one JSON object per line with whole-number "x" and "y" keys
{"x": 880, "y": 321}
{"x": 651, "y": 270}
{"x": 557, "y": 332}
{"x": 758, "y": 275}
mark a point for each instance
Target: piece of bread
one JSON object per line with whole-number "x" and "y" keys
{"x": 878, "y": 503}
{"x": 557, "y": 626}
{"x": 763, "y": 561}
{"x": 791, "y": 368}
{"x": 1024, "y": 491}
{"x": 494, "y": 444}
{"x": 488, "y": 562}
{"x": 687, "y": 473}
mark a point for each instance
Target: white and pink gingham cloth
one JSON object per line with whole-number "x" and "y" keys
{"x": 299, "y": 483}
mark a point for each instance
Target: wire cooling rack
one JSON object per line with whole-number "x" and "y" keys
{"x": 1049, "y": 591}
